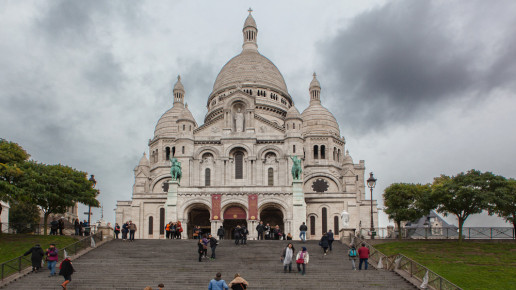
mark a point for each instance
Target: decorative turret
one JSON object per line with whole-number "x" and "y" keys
{"x": 315, "y": 90}
{"x": 179, "y": 92}
{"x": 250, "y": 32}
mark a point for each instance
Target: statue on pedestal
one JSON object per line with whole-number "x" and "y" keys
{"x": 239, "y": 121}
{"x": 175, "y": 170}
{"x": 296, "y": 168}
{"x": 344, "y": 218}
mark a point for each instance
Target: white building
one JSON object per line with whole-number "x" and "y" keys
{"x": 236, "y": 167}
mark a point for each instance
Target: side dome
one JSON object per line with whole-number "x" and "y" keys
{"x": 250, "y": 67}
{"x": 318, "y": 120}
{"x": 167, "y": 123}
{"x": 186, "y": 115}
{"x": 293, "y": 113}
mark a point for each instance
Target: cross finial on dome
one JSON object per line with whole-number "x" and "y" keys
{"x": 178, "y": 77}
{"x": 315, "y": 75}
{"x": 250, "y": 10}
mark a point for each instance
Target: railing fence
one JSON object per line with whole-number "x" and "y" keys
{"x": 441, "y": 233}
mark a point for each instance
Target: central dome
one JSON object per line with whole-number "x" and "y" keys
{"x": 250, "y": 68}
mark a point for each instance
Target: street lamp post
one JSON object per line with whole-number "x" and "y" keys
{"x": 92, "y": 179}
{"x": 371, "y": 182}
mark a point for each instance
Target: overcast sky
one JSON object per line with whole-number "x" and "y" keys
{"x": 419, "y": 88}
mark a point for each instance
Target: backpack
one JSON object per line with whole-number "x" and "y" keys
{"x": 352, "y": 253}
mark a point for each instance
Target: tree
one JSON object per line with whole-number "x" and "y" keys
{"x": 465, "y": 194}
{"x": 503, "y": 202}
{"x": 406, "y": 202}
{"x": 23, "y": 217}
{"x": 54, "y": 188}
{"x": 12, "y": 156}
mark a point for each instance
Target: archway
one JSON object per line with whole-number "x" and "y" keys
{"x": 199, "y": 215}
{"x": 233, "y": 216}
{"x": 273, "y": 216}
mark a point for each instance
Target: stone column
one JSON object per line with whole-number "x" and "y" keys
{"x": 215, "y": 224}
{"x": 298, "y": 208}
{"x": 251, "y": 227}
{"x": 171, "y": 203}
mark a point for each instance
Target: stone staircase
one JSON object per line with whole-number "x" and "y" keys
{"x": 134, "y": 265}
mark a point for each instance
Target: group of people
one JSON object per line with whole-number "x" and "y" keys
{"x": 268, "y": 233}
{"x": 57, "y": 225}
{"x": 173, "y": 230}
{"x": 240, "y": 234}
{"x": 326, "y": 242}
{"x": 204, "y": 242}
{"x": 81, "y": 227}
{"x": 362, "y": 254}
{"x": 128, "y": 228}
{"x": 51, "y": 257}
{"x": 238, "y": 283}
{"x": 287, "y": 257}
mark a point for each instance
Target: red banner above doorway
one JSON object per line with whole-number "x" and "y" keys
{"x": 215, "y": 206}
{"x": 253, "y": 207}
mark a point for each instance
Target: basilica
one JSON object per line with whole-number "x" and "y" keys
{"x": 236, "y": 168}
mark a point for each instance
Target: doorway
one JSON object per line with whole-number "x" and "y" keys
{"x": 230, "y": 225}
{"x": 199, "y": 216}
{"x": 272, "y": 216}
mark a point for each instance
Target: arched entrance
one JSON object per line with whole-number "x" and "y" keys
{"x": 273, "y": 216}
{"x": 233, "y": 216}
{"x": 199, "y": 215}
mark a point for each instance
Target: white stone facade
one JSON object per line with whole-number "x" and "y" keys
{"x": 236, "y": 167}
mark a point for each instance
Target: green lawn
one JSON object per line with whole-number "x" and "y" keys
{"x": 12, "y": 246}
{"x": 470, "y": 265}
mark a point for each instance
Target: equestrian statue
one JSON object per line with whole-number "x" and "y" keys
{"x": 175, "y": 170}
{"x": 296, "y": 168}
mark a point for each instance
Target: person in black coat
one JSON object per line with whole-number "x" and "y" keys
{"x": 213, "y": 245}
{"x": 221, "y": 232}
{"x": 260, "y": 228}
{"x": 324, "y": 243}
{"x": 237, "y": 234}
{"x": 200, "y": 249}
{"x": 66, "y": 270}
{"x": 36, "y": 258}
{"x": 330, "y": 239}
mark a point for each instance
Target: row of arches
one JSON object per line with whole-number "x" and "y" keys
{"x": 319, "y": 152}
{"x": 324, "y": 223}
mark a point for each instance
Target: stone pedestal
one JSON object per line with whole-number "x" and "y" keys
{"x": 346, "y": 235}
{"x": 107, "y": 232}
{"x": 171, "y": 203}
{"x": 298, "y": 207}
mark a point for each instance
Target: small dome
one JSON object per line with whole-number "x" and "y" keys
{"x": 347, "y": 159}
{"x": 293, "y": 113}
{"x": 318, "y": 120}
{"x": 167, "y": 123}
{"x": 250, "y": 67}
{"x": 179, "y": 86}
{"x": 186, "y": 115}
{"x": 144, "y": 161}
{"x": 249, "y": 22}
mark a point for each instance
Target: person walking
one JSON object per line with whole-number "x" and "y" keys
{"x": 36, "y": 258}
{"x": 287, "y": 255}
{"x": 217, "y": 283}
{"x": 302, "y": 232}
{"x": 302, "y": 260}
{"x": 66, "y": 270}
{"x": 352, "y": 254}
{"x": 221, "y": 232}
{"x": 324, "y": 243}
{"x": 205, "y": 243}
{"x": 117, "y": 230}
{"x": 363, "y": 254}
{"x": 237, "y": 234}
{"x": 52, "y": 257}
{"x": 213, "y": 246}
{"x": 260, "y": 228}
{"x": 125, "y": 230}
{"x": 77, "y": 227}
{"x": 243, "y": 236}
{"x": 330, "y": 239}
{"x": 132, "y": 231}
{"x": 200, "y": 249}
{"x": 238, "y": 283}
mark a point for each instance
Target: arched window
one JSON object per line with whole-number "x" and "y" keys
{"x": 334, "y": 153}
{"x": 173, "y": 151}
{"x": 316, "y": 152}
{"x": 270, "y": 176}
{"x": 323, "y": 152}
{"x": 338, "y": 155}
{"x": 239, "y": 165}
{"x": 184, "y": 127}
{"x": 167, "y": 153}
{"x": 293, "y": 148}
{"x": 161, "y": 221}
{"x": 312, "y": 225}
{"x": 324, "y": 220}
{"x": 151, "y": 225}
{"x": 293, "y": 125}
{"x": 336, "y": 225}
{"x": 207, "y": 177}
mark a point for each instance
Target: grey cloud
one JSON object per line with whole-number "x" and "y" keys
{"x": 392, "y": 63}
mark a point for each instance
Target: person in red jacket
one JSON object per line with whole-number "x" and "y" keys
{"x": 363, "y": 254}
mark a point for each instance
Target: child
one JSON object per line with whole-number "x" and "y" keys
{"x": 66, "y": 270}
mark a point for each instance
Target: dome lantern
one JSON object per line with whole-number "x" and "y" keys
{"x": 250, "y": 32}
{"x": 179, "y": 91}
{"x": 315, "y": 90}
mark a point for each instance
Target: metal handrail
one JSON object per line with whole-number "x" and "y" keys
{"x": 441, "y": 233}
{"x": 18, "y": 264}
{"x": 401, "y": 263}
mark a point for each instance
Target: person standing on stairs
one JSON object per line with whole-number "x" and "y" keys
{"x": 117, "y": 230}
{"x": 125, "y": 230}
{"x": 213, "y": 246}
{"x": 324, "y": 243}
{"x": 363, "y": 254}
{"x": 237, "y": 234}
{"x": 205, "y": 243}
{"x": 238, "y": 283}
{"x": 330, "y": 239}
{"x": 302, "y": 232}
{"x": 302, "y": 260}
{"x": 200, "y": 249}
{"x": 217, "y": 283}
{"x": 352, "y": 254}
{"x": 36, "y": 257}
{"x": 132, "y": 231}
{"x": 260, "y": 228}
{"x": 243, "y": 237}
{"x": 221, "y": 232}
{"x": 287, "y": 255}
{"x": 66, "y": 270}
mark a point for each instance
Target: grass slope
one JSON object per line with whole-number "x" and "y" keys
{"x": 12, "y": 246}
{"x": 470, "y": 265}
